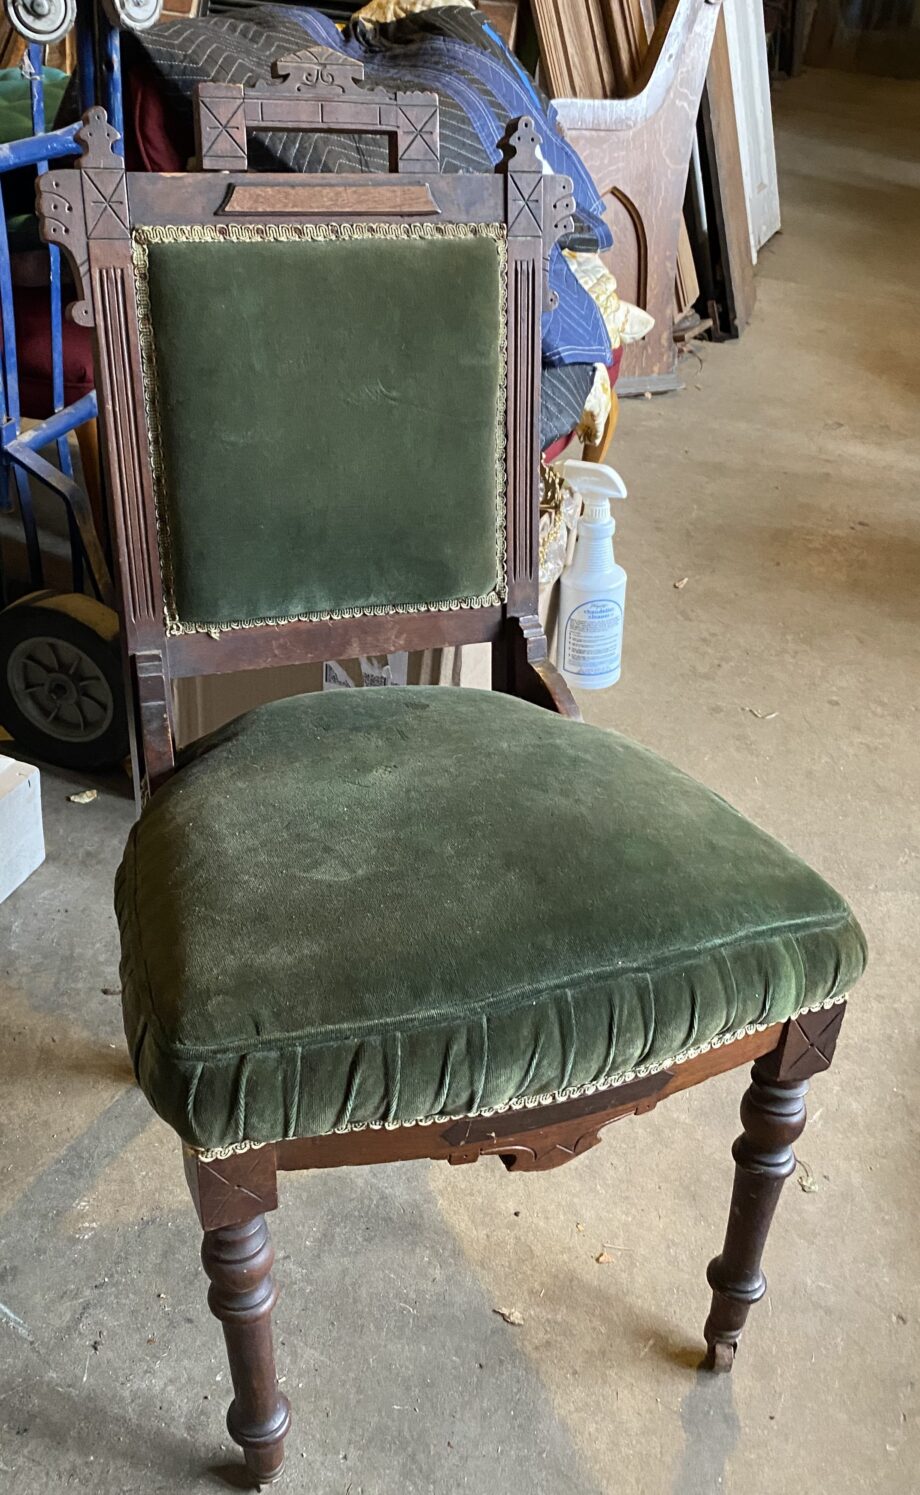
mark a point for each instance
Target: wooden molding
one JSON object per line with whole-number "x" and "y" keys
{"x": 153, "y": 699}
{"x": 528, "y": 1139}
{"x": 92, "y": 203}
{"x": 316, "y": 90}
{"x": 329, "y": 201}
{"x": 522, "y": 666}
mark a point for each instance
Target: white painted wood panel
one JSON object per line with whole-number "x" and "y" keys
{"x": 747, "y": 50}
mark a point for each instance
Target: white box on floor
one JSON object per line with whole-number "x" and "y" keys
{"x": 22, "y": 841}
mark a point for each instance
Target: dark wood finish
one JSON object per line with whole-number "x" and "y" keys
{"x": 773, "y": 1117}
{"x": 238, "y": 1259}
{"x": 807, "y": 1045}
{"x": 316, "y": 89}
{"x": 229, "y": 1191}
{"x": 153, "y": 701}
{"x": 197, "y": 197}
{"x": 318, "y": 197}
{"x": 529, "y": 1139}
{"x": 232, "y": 1193}
{"x": 335, "y": 638}
{"x": 521, "y": 665}
{"x": 90, "y": 214}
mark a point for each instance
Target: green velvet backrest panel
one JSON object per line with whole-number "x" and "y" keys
{"x": 327, "y": 418}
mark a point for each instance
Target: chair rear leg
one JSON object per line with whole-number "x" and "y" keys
{"x": 773, "y": 1117}
{"x": 238, "y": 1260}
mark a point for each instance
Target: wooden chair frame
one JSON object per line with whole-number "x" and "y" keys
{"x": 90, "y": 214}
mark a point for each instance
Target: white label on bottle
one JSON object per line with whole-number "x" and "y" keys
{"x": 593, "y": 638}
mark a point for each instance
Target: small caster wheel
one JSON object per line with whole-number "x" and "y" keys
{"x": 720, "y": 1357}
{"x": 61, "y": 686}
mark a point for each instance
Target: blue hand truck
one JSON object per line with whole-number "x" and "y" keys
{"x": 61, "y": 683}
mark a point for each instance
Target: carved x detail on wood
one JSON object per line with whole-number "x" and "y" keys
{"x": 106, "y": 200}
{"x": 807, "y": 1045}
{"x": 226, "y": 1190}
{"x": 223, "y": 126}
{"x": 526, "y": 200}
{"x": 418, "y": 136}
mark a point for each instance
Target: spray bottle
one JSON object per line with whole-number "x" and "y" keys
{"x": 593, "y": 587}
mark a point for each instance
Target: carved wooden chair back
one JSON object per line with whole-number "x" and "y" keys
{"x": 319, "y": 395}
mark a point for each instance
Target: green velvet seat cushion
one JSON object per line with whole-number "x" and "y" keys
{"x": 327, "y": 418}
{"x": 384, "y": 905}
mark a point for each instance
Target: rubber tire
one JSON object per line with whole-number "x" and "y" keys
{"x": 85, "y": 624}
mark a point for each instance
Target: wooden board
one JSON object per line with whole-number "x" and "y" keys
{"x": 747, "y": 50}
{"x": 638, "y": 151}
{"x": 575, "y": 48}
{"x": 721, "y": 152}
{"x": 594, "y": 52}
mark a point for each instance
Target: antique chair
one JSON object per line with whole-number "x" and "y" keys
{"x": 236, "y": 315}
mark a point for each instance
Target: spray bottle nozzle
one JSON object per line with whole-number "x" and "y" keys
{"x": 596, "y": 484}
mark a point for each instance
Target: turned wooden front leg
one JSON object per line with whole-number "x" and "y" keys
{"x": 231, "y": 1196}
{"x": 773, "y": 1116}
{"x": 238, "y": 1259}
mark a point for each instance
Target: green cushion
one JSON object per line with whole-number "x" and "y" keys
{"x": 383, "y": 905}
{"x": 327, "y": 418}
{"x": 16, "y": 101}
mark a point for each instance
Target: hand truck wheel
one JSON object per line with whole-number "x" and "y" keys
{"x": 61, "y": 685}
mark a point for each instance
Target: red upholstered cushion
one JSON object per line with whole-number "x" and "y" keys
{"x": 157, "y": 137}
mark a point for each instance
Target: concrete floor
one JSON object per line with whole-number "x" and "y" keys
{"x": 783, "y": 485}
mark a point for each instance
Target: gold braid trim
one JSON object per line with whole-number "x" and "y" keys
{"x": 523, "y": 1103}
{"x": 206, "y": 233}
